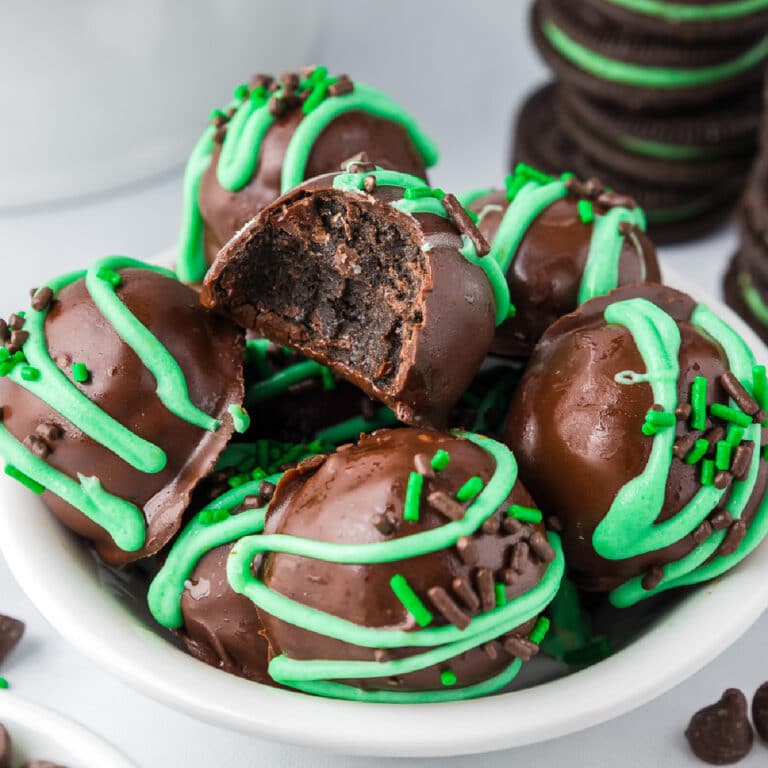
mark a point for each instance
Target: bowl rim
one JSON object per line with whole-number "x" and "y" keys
{"x": 690, "y": 635}
{"x": 93, "y": 750}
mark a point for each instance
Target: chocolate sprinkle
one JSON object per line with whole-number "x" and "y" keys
{"x": 341, "y": 86}
{"x": 541, "y": 547}
{"x": 520, "y": 648}
{"x": 683, "y": 445}
{"x": 720, "y": 733}
{"x": 593, "y": 187}
{"x": 423, "y": 465}
{"x": 714, "y": 436}
{"x": 742, "y": 458}
{"x": 741, "y": 397}
{"x": 760, "y": 711}
{"x": 736, "y": 532}
{"x": 519, "y": 556}
{"x": 444, "y": 603}
{"x": 369, "y": 184}
{"x": 702, "y": 533}
{"x": 42, "y": 299}
{"x": 15, "y": 322}
{"x": 683, "y": 411}
{"x": 310, "y": 464}
{"x": 554, "y": 524}
{"x": 464, "y": 591}
{"x": 266, "y": 490}
{"x": 11, "y": 632}
{"x": 613, "y": 199}
{"x": 446, "y": 506}
{"x": 465, "y": 225}
{"x": 491, "y": 526}
{"x": 467, "y": 550}
{"x": 383, "y": 524}
{"x": 652, "y": 578}
{"x": 722, "y": 480}
{"x": 487, "y": 588}
{"x": 720, "y": 520}
{"x": 491, "y": 649}
{"x": 509, "y": 577}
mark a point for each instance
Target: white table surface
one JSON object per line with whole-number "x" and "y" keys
{"x": 143, "y": 220}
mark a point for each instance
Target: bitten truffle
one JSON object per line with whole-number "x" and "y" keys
{"x": 638, "y": 425}
{"x": 118, "y": 392}
{"x": 560, "y": 242}
{"x": 274, "y": 134}
{"x": 374, "y": 274}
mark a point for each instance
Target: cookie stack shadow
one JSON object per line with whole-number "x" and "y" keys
{"x": 661, "y": 100}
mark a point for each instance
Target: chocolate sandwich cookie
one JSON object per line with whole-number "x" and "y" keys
{"x": 118, "y": 392}
{"x": 592, "y": 53}
{"x": 683, "y": 150}
{"x": 411, "y": 567}
{"x": 688, "y": 20}
{"x": 275, "y": 133}
{"x": 649, "y": 409}
{"x": 375, "y": 274}
{"x": 673, "y": 214}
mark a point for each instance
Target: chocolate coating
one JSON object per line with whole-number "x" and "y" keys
{"x": 208, "y": 348}
{"x": 224, "y": 212}
{"x": 577, "y": 436}
{"x": 382, "y": 297}
{"x": 340, "y": 502}
{"x": 548, "y": 266}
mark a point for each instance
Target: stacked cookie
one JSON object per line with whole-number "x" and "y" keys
{"x": 661, "y": 100}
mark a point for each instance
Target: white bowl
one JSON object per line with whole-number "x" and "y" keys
{"x": 113, "y": 629}
{"x": 41, "y": 734}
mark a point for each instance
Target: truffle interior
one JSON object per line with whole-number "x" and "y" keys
{"x": 345, "y": 272}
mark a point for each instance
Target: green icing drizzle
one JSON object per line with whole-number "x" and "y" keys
{"x": 241, "y": 149}
{"x": 629, "y": 528}
{"x": 171, "y": 383}
{"x": 691, "y": 11}
{"x": 663, "y": 78}
{"x": 443, "y": 642}
{"x": 121, "y": 519}
{"x": 601, "y": 272}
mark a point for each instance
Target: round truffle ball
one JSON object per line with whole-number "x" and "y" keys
{"x": 118, "y": 393}
{"x": 638, "y": 425}
{"x": 560, "y": 242}
{"x": 274, "y": 134}
{"x": 412, "y": 563}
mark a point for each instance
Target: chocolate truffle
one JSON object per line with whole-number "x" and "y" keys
{"x": 410, "y": 567}
{"x": 294, "y": 400}
{"x": 118, "y": 392}
{"x": 274, "y": 134}
{"x": 638, "y": 424}
{"x": 560, "y": 242}
{"x": 374, "y": 274}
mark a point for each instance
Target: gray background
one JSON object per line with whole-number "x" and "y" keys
{"x": 461, "y": 68}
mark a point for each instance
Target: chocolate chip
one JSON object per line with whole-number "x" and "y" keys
{"x": 760, "y": 711}
{"x": 720, "y": 733}
{"x": 11, "y": 632}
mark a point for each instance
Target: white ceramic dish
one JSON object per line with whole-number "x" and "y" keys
{"x": 41, "y": 734}
{"x": 113, "y": 630}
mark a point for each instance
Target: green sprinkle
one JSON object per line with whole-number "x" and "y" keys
{"x": 723, "y": 455}
{"x": 237, "y": 481}
{"x": 211, "y": 516}
{"x": 80, "y": 373}
{"x": 3, "y": 684}
{"x": 735, "y": 435}
{"x": 524, "y": 514}
{"x": 413, "y": 497}
{"x": 258, "y": 474}
{"x": 586, "y": 211}
{"x": 532, "y": 174}
{"x": 29, "y": 373}
{"x": 416, "y": 193}
{"x": 648, "y": 429}
{"x": 700, "y": 447}
{"x": 410, "y": 600}
{"x": 470, "y": 489}
{"x": 4, "y": 354}
{"x": 240, "y": 418}
{"x": 765, "y": 453}
{"x": 661, "y": 418}
{"x": 21, "y": 313}
{"x": 448, "y": 677}
{"x": 318, "y": 74}
{"x": 699, "y": 403}
{"x": 5, "y": 369}
{"x": 440, "y": 460}
{"x": 501, "y": 594}
{"x": 707, "y": 472}
{"x": 760, "y": 385}
{"x": 539, "y": 632}
{"x": 215, "y": 113}
{"x": 567, "y": 175}
{"x": 319, "y": 92}
{"x": 17, "y": 474}
{"x": 241, "y": 91}
{"x": 258, "y": 94}
{"x": 109, "y": 276}
{"x": 511, "y": 312}
{"x": 726, "y": 413}
{"x": 329, "y": 382}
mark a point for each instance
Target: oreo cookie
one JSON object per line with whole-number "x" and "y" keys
{"x": 689, "y": 20}
{"x": 595, "y": 54}
{"x": 674, "y": 213}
